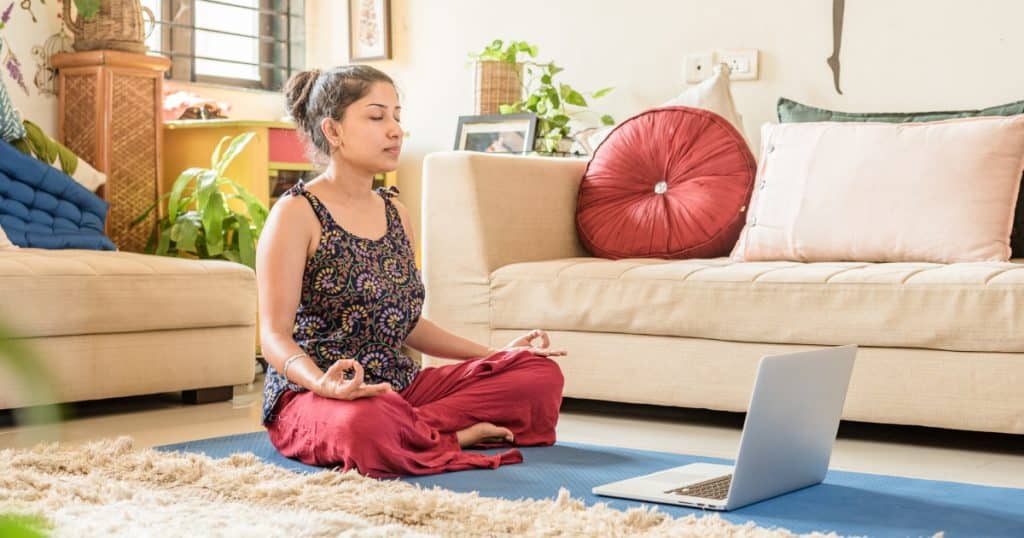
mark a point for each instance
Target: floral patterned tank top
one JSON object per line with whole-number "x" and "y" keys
{"x": 360, "y": 300}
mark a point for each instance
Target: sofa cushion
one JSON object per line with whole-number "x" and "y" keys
{"x": 40, "y": 206}
{"x": 958, "y": 307}
{"x": 669, "y": 183}
{"x": 940, "y": 191}
{"x": 790, "y": 111}
{"x": 70, "y": 292}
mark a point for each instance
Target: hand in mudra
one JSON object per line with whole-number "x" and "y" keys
{"x": 334, "y": 385}
{"x": 536, "y": 342}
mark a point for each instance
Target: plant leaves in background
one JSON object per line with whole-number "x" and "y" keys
{"x": 201, "y": 221}
{"x": 87, "y": 9}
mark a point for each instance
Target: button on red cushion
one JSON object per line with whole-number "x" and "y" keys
{"x": 671, "y": 182}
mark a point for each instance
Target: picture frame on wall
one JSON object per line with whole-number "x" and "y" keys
{"x": 369, "y": 30}
{"x": 497, "y": 133}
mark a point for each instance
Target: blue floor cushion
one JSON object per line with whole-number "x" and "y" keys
{"x": 42, "y": 207}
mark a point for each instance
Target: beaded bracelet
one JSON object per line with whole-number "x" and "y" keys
{"x": 289, "y": 361}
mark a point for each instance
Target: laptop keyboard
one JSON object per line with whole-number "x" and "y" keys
{"x": 715, "y": 488}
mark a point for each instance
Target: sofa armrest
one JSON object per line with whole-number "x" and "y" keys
{"x": 483, "y": 211}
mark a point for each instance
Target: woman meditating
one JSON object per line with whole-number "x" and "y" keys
{"x": 339, "y": 295}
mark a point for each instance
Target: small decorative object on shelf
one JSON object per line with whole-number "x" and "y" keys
{"x": 554, "y": 103}
{"x": 508, "y": 133}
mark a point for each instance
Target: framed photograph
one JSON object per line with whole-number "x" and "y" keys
{"x": 501, "y": 133}
{"x": 369, "y": 30}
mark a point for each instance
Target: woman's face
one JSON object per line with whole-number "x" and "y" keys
{"x": 370, "y": 133}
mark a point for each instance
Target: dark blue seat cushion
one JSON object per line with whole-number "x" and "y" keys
{"x": 42, "y": 207}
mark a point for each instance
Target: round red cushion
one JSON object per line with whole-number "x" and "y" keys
{"x": 670, "y": 182}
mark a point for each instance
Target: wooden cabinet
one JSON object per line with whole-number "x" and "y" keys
{"x": 109, "y": 113}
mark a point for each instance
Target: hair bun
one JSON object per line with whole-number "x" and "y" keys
{"x": 297, "y": 91}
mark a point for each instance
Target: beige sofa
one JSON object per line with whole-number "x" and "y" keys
{"x": 110, "y": 324}
{"x": 941, "y": 345}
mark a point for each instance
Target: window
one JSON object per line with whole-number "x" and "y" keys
{"x": 246, "y": 43}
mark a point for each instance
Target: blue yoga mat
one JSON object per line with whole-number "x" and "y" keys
{"x": 846, "y": 503}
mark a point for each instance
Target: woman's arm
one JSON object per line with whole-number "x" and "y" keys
{"x": 280, "y": 261}
{"x": 431, "y": 339}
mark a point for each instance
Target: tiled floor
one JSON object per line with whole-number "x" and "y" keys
{"x": 920, "y": 452}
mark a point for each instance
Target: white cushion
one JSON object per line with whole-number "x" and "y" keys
{"x": 86, "y": 175}
{"x": 5, "y": 243}
{"x": 710, "y": 94}
{"x": 880, "y": 192}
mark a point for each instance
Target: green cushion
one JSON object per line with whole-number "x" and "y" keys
{"x": 793, "y": 112}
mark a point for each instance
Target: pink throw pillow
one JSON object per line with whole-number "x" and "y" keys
{"x": 940, "y": 192}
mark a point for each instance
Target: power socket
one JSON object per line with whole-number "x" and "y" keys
{"x": 742, "y": 63}
{"x": 698, "y": 66}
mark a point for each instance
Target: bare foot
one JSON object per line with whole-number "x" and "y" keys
{"x": 483, "y": 432}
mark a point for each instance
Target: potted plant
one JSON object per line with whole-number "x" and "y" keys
{"x": 555, "y": 103}
{"x": 209, "y": 216}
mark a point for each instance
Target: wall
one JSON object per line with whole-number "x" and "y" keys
{"x": 18, "y": 37}
{"x": 905, "y": 55}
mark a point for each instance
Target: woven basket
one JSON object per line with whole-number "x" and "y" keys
{"x": 497, "y": 83}
{"x": 117, "y": 25}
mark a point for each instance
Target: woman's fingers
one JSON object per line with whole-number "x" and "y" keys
{"x": 543, "y": 335}
{"x": 366, "y": 391}
{"x": 547, "y": 352}
{"x": 338, "y": 369}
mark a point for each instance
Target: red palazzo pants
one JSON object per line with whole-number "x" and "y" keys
{"x": 412, "y": 432}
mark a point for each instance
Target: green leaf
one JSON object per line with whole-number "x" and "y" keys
{"x": 602, "y": 92}
{"x": 574, "y": 98}
{"x": 234, "y": 148}
{"x": 246, "y": 243}
{"x": 560, "y": 120}
{"x": 508, "y": 109}
{"x": 533, "y": 51}
{"x": 177, "y": 189}
{"x": 553, "y": 69}
{"x": 87, "y": 9}
{"x": 14, "y": 526}
{"x": 185, "y": 232}
{"x": 206, "y": 185}
{"x": 216, "y": 151}
{"x": 214, "y": 213}
{"x": 607, "y": 120}
{"x": 164, "y": 244}
{"x": 552, "y": 96}
{"x": 546, "y": 79}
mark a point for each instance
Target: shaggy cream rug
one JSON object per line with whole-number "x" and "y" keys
{"x": 111, "y": 488}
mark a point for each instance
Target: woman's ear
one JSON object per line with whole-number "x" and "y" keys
{"x": 332, "y": 131}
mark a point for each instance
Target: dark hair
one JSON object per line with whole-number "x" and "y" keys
{"x": 313, "y": 95}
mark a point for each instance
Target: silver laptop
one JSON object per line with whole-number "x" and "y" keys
{"x": 786, "y": 443}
